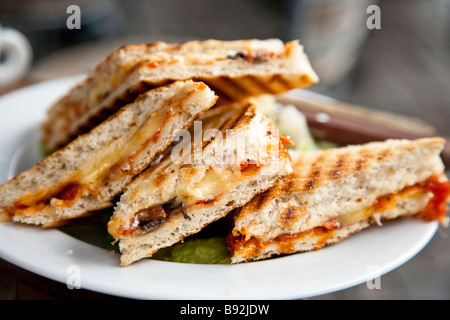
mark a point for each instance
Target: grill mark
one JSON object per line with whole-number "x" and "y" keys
{"x": 263, "y": 87}
{"x": 383, "y": 154}
{"x": 337, "y": 169}
{"x": 289, "y": 213}
{"x": 360, "y": 163}
{"x": 310, "y": 184}
{"x": 314, "y": 177}
{"x": 292, "y": 215}
{"x": 238, "y": 91}
{"x": 249, "y": 112}
{"x": 261, "y": 199}
{"x": 314, "y": 174}
{"x": 278, "y": 78}
{"x": 365, "y": 153}
{"x": 288, "y": 186}
{"x": 160, "y": 177}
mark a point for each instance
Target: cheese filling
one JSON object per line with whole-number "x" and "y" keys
{"x": 94, "y": 172}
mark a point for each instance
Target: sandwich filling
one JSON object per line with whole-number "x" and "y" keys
{"x": 436, "y": 189}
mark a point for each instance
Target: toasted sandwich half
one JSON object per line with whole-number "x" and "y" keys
{"x": 334, "y": 193}
{"x": 233, "y": 69}
{"x": 239, "y": 156}
{"x": 89, "y": 172}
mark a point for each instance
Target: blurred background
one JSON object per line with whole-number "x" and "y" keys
{"x": 403, "y": 67}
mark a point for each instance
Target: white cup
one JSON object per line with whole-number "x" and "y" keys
{"x": 16, "y": 53}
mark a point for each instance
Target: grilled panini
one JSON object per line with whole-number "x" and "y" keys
{"x": 334, "y": 193}
{"x": 233, "y": 69}
{"x": 240, "y": 155}
{"x": 90, "y": 171}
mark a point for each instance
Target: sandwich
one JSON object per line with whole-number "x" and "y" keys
{"x": 235, "y": 70}
{"x": 335, "y": 193}
{"x": 240, "y": 154}
{"x": 87, "y": 174}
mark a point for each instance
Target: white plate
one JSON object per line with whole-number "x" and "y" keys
{"x": 59, "y": 256}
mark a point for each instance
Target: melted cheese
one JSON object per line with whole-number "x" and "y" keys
{"x": 91, "y": 175}
{"x": 209, "y": 187}
{"x": 354, "y": 217}
{"x": 382, "y": 204}
{"x": 94, "y": 170}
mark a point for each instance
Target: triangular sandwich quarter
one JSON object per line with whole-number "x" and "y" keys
{"x": 334, "y": 193}
{"x": 235, "y": 70}
{"x": 88, "y": 173}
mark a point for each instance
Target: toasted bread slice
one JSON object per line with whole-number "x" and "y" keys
{"x": 336, "y": 192}
{"x": 174, "y": 199}
{"x": 233, "y": 69}
{"x": 89, "y": 172}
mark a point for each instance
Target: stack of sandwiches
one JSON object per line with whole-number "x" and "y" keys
{"x": 170, "y": 137}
